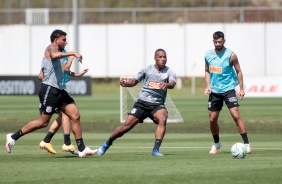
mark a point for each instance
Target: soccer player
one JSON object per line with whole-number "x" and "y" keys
{"x": 222, "y": 75}
{"x": 150, "y": 103}
{"x": 62, "y": 119}
{"x": 52, "y": 96}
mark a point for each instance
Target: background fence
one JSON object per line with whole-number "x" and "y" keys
{"x": 140, "y": 11}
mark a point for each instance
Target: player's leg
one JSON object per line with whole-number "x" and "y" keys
{"x": 130, "y": 122}
{"x": 215, "y": 104}
{"x": 241, "y": 127}
{"x": 33, "y": 125}
{"x": 233, "y": 105}
{"x": 46, "y": 142}
{"x": 160, "y": 116}
{"x": 214, "y": 127}
{"x": 68, "y": 146}
{"x": 72, "y": 112}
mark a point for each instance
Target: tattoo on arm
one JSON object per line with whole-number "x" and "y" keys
{"x": 51, "y": 49}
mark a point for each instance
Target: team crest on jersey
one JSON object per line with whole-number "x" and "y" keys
{"x": 163, "y": 75}
{"x": 48, "y": 109}
{"x": 133, "y": 111}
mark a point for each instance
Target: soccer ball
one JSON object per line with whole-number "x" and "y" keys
{"x": 238, "y": 150}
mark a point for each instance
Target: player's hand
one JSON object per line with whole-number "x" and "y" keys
{"x": 83, "y": 72}
{"x": 163, "y": 85}
{"x": 78, "y": 56}
{"x": 123, "y": 81}
{"x": 207, "y": 91}
{"x": 241, "y": 94}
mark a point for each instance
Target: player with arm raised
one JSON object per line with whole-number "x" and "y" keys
{"x": 52, "y": 96}
{"x": 157, "y": 79}
{"x": 62, "y": 119}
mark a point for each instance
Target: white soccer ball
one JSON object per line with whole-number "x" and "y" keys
{"x": 238, "y": 150}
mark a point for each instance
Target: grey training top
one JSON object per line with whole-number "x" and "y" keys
{"x": 53, "y": 73}
{"x": 152, "y": 77}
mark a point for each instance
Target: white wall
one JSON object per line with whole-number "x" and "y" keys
{"x": 116, "y": 50}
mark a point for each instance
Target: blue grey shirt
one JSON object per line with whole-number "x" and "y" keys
{"x": 53, "y": 73}
{"x": 152, "y": 78}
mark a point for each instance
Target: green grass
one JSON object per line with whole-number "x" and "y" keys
{"x": 185, "y": 146}
{"x": 186, "y": 160}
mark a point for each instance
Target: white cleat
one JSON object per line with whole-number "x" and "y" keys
{"x": 215, "y": 148}
{"x": 87, "y": 152}
{"x": 9, "y": 142}
{"x": 249, "y": 150}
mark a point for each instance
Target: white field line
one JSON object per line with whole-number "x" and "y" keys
{"x": 182, "y": 147}
{"x": 162, "y": 147}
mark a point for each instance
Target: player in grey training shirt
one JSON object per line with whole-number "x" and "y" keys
{"x": 157, "y": 79}
{"x": 52, "y": 95}
{"x": 150, "y": 91}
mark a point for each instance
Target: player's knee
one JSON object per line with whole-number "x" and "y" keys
{"x": 43, "y": 124}
{"x": 162, "y": 120}
{"x": 213, "y": 119}
{"x": 75, "y": 117}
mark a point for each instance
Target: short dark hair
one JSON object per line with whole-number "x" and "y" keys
{"x": 218, "y": 34}
{"x": 56, "y": 34}
{"x": 159, "y": 50}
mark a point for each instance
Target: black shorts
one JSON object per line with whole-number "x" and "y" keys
{"x": 52, "y": 99}
{"x": 215, "y": 102}
{"x": 142, "y": 110}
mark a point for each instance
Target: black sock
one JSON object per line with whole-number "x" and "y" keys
{"x": 109, "y": 141}
{"x": 80, "y": 144}
{"x": 216, "y": 138}
{"x": 48, "y": 137}
{"x": 157, "y": 145}
{"x": 17, "y": 135}
{"x": 245, "y": 138}
{"x": 67, "y": 140}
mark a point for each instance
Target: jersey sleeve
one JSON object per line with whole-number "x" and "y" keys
{"x": 171, "y": 75}
{"x": 141, "y": 74}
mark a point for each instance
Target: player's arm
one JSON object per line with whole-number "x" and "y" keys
{"x": 52, "y": 53}
{"x": 169, "y": 85}
{"x": 80, "y": 74}
{"x": 41, "y": 75}
{"x": 124, "y": 82}
{"x": 234, "y": 61}
{"x": 171, "y": 81}
{"x": 207, "y": 79}
{"x": 68, "y": 64}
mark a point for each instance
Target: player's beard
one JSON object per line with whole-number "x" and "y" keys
{"x": 219, "y": 48}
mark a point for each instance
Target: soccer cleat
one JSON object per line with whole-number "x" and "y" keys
{"x": 157, "y": 153}
{"x": 9, "y": 142}
{"x": 48, "y": 147}
{"x": 249, "y": 150}
{"x": 87, "y": 152}
{"x": 102, "y": 150}
{"x": 68, "y": 148}
{"x": 215, "y": 147}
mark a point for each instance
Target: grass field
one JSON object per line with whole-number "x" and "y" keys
{"x": 186, "y": 160}
{"x": 185, "y": 146}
